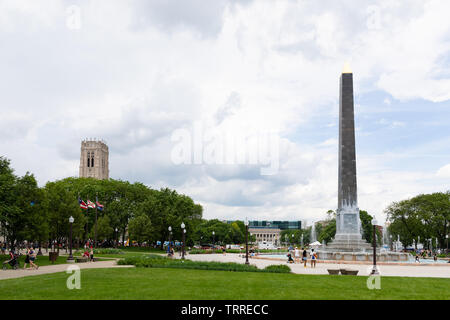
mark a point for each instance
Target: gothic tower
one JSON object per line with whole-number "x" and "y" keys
{"x": 94, "y": 162}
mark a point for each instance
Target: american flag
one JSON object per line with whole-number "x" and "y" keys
{"x": 90, "y": 204}
{"x": 82, "y": 204}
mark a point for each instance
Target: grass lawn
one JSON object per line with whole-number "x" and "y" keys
{"x": 154, "y": 283}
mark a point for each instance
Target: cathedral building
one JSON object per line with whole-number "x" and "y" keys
{"x": 94, "y": 159}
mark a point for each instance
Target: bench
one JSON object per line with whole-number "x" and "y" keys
{"x": 333, "y": 271}
{"x": 81, "y": 259}
{"x": 349, "y": 272}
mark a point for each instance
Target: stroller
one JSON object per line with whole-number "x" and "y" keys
{"x": 290, "y": 260}
{"x": 13, "y": 262}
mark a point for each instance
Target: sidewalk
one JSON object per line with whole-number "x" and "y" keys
{"x": 435, "y": 271}
{"x": 11, "y": 274}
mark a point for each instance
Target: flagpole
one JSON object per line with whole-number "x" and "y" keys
{"x": 95, "y": 236}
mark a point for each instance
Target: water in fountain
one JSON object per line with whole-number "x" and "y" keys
{"x": 313, "y": 233}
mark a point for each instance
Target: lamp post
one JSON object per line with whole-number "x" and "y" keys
{"x": 70, "y": 258}
{"x": 246, "y": 241}
{"x": 302, "y": 240}
{"x": 183, "y": 230}
{"x": 117, "y": 240}
{"x": 213, "y": 233}
{"x": 374, "y": 268}
{"x": 170, "y": 233}
{"x": 446, "y": 237}
{"x": 392, "y": 246}
{"x": 292, "y": 239}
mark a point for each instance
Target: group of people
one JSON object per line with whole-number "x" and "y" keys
{"x": 30, "y": 259}
{"x": 89, "y": 252}
{"x": 304, "y": 257}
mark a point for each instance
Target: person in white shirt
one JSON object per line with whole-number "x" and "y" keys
{"x": 297, "y": 255}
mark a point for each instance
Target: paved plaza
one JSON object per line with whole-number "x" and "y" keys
{"x": 414, "y": 270}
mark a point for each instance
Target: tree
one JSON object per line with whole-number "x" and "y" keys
{"x": 425, "y": 216}
{"x": 140, "y": 229}
{"x": 104, "y": 229}
{"x": 63, "y": 204}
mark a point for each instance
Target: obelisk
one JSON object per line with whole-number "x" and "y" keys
{"x": 347, "y": 218}
{"x": 348, "y": 226}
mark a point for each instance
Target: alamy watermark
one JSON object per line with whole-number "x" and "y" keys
{"x": 374, "y": 280}
{"x": 73, "y": 281}
{"x": 73, "y": 17}
{"x": 233, "y": 146}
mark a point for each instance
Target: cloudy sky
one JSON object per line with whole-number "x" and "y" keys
{"x": 141, "y": 74}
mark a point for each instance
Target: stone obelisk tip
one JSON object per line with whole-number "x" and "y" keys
{"x": 347, "y": 68}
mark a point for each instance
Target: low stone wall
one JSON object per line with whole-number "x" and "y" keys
{"x": 362, "y": 256}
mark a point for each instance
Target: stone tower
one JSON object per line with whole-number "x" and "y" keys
{"x": 94, "y": 159}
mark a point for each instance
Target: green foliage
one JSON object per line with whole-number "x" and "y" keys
{"x": 426, "y": 216}
{"x": 140, "y": 228}
{"x": 156, "y": 261}
{"x": 108, "y": 251}
{"x": 281, "y": 268}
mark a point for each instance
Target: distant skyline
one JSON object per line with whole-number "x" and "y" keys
{"x": 134, "y": 72}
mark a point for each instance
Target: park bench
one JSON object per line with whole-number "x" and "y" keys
{"x": 333, "y": 271}
{"x": 81, "y": 259}
{"x": 349, "y": 272}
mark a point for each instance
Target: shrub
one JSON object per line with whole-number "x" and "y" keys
{"x": 108, "y": 251}
{"x": 281, "y": 268}
{"x": 157, "y": 261}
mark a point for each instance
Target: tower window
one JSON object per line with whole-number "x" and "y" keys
{"x": 88, "y": 158}
{"x": 92, "y": 159}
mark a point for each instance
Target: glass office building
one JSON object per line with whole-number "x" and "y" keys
{"x": 282, "y": 225}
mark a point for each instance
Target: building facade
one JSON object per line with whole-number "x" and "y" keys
{"x": 94, "y": 159}
{"x": 270, "y": 231}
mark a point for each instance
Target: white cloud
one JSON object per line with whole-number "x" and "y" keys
{"x": 136, "y": 71}
{"x": 444, "y": 172}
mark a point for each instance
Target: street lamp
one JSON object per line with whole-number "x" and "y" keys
{"x": 392, "y": 246}
{"x": 170, "y": 233}
{"x": 292, "y": 239}
{"x": 246, "y": 241}
{"x": 374, "y": 268}
{"x": 117, "y": 236}
{"x": 213, "y": 233}
{"x": 184, "y": 239}
{"x": 446, "y": 237}
{"x": 183, "y": 230}
{"x": 70, "y": 258}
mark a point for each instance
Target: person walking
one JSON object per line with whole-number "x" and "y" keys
{"x": 92, "y": 254}
{"x": 27, "y": 258}
{"x": 297, "y": 255}
{"x": 32, "y": 254}
{"x": 304, "y": 257}
{"x": 313, "y": 258}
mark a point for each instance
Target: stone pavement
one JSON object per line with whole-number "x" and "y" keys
{"x": 10, "y": 274}
{"x": 414, "y": 270}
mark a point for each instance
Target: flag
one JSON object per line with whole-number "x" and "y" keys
{"x": 99, "y": 206}
{"x": 90, "y": 204}
{"x": 82, "y": 204}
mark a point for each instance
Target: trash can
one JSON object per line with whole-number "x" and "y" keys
{"x": 52, "y": 256}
